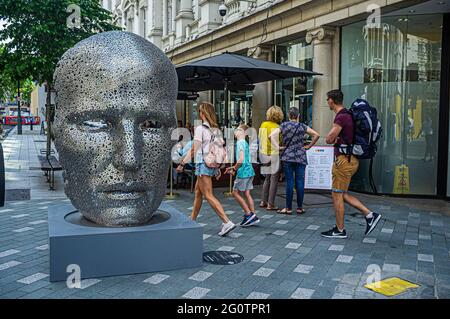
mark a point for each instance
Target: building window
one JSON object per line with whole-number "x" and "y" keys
{"x": 295, "y": 92}
{"x": 396, "y": 67}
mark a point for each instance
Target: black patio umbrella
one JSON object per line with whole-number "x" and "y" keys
{"x": 231, "y": 71}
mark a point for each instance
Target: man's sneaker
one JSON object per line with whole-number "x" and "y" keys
{"x": 226, "y": 228}
{"x": 372, "y": 222}
{"x": 249, "y": 220}
{"x": 334, "y": 233}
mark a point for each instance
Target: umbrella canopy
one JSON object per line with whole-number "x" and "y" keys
{"x": 235, "y": 70}
{"x": 229, "y": 71}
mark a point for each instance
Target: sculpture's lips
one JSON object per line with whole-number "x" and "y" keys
{"x": 122, "y": 195}
{"x": 123, "y": 191}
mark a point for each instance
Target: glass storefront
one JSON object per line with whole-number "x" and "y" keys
{"x": 295, "y": 91}
{"x": 239, "y": 107}
{"x": 397, "y": 69}
{"x": 448, "y": 167}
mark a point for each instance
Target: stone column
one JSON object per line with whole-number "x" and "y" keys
{"x": 155, "y": 16}
{"x": 136, "y": 19}
{"x": 173, "y": 22}
{"x": 185, "y": 16}
{"x": 322, "y": 41}
{"x": 164, "y": 20}
{"x": 262, "y": 94}
{"x": 105, "y": 5}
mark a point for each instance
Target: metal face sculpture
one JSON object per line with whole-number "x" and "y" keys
{"x": 115, "y": 110}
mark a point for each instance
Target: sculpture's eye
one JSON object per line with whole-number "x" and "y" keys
{"x": 149, "y": 125}
{"x": 96, "y": 125}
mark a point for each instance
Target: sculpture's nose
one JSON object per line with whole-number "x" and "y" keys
{"x": 128, "y": 150}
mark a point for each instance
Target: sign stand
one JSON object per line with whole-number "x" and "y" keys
{"x": 318, "y": 173}
{"x": 171, "y": 194}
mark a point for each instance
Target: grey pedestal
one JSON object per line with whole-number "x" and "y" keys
{"x": 171, "y": 243}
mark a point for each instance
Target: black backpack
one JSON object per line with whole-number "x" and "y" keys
{"x": 367, "y": 131}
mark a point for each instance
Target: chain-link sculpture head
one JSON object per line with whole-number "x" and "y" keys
{"x": 115, "y": 110}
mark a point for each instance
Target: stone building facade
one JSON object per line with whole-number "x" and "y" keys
{"x": 392, "y": 52}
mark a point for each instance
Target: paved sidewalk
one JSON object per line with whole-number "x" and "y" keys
{"x": 284, "y": 256}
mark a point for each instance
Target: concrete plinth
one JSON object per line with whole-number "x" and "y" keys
{"x": 170, "y": 241}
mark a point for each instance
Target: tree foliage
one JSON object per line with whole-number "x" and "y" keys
{"x": 38, "y": 32}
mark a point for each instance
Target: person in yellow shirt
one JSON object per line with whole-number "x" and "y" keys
{"x": 269, "y": 156}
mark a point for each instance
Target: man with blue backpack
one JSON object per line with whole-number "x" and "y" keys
{"x": 353, "y": 135}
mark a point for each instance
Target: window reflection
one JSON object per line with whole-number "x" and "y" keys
{"x": 297, "y": 91}
{"x": 397, "y": 69}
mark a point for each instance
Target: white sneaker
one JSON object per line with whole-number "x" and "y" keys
{"x": 226, "y": 228}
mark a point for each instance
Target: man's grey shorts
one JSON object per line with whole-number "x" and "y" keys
{"x": 243, "y": 184}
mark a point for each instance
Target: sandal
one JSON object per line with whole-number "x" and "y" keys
{"x": 263, "y": 204}
{"x": 272, "y": 208}
{"x": 300, "y": 211}
{"x": 284, "y": 211}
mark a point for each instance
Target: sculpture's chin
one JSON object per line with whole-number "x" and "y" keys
{"x": 118, "y": 208}
{"x": 120, "y": 217}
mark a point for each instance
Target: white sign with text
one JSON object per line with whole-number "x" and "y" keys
{"x": 318, "y": 170}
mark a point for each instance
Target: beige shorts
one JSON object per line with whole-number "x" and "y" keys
{"x": 243, "y": 184}
{"x": 342, "y": 172}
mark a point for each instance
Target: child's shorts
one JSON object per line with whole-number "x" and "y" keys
{"x": 243, "y": 184}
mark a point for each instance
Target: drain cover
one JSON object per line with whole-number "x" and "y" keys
{"x": 222, "y": 257}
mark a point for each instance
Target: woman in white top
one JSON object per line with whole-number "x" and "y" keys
{"x": 203, "y": 186}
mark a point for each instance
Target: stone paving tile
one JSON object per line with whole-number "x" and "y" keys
{"x": 9, "y": 264}
{"x": 425, "y": 257}
{"x": 261, "y": 259}
{"x": 369, "y": 240}
{"x": 201, "y": 275}
{"x": 302, "y": 293}
{"x": 156, "y": 279}
{"x": 336, "y": 248}
{"x": 23, "y": 229}
{"x": 226, "y": 248}
{"x": 37, "y": 222}
{"x": 304, "y": 269}
{"x": 20, "y": 215}
{"x": 258, "y": 295}
{"x": 293, "y": 245}
{"x": 344, "y": 259}
{"x": 196, "y": 293}
{"x": 87, "y": 283}
{"x": 33, "y": 278}
{"x": 391, "y": 267}
{"x": 263, "y": 272}
{"x": 8, "y": 252}
{"x": 411, "y": 242}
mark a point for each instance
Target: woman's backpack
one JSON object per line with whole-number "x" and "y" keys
{"x": 217, "y": 154}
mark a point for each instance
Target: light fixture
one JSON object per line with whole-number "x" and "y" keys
{"x": 223, "y": 7}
